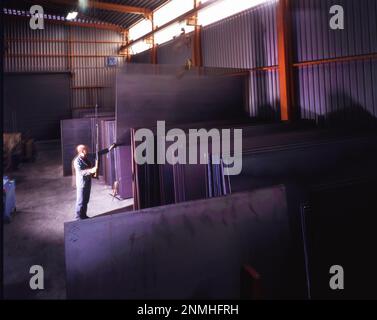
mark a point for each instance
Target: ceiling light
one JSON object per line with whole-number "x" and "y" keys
{"x": 71, "y": 15}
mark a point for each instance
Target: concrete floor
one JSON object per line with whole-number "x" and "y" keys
{"x": 35, "y": 236}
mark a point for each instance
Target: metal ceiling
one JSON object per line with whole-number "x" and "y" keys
{"x": 124, "y": 20}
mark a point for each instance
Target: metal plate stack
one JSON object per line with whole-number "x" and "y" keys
{"x": 165, "y": 184}
{"x": 271, "y": 155}
{"x": 114, "y": 166}
{"x": 108, "y": 160}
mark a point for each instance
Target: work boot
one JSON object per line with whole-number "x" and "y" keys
{"x": 81, "y": 218}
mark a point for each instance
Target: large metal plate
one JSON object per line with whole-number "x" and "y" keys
{"x": 147, "y": 93}
{"x": 185, "y": 251}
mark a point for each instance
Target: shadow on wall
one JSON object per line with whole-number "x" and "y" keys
{"x": 269, "y": 111}
{"x": 347, "y": 113}
{"x": 267, "y": 108}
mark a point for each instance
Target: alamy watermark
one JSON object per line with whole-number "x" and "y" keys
{"x": 37, "y": 17}
{"x": 183, "y": 148}
{"x": 337, "y": 20}
{"x": 337, "y": 280}
{"x": 36, "y": 282}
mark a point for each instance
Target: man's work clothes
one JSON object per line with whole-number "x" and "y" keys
{"x": 84, "y": 182}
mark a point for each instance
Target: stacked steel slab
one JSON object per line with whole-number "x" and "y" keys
{"x": 83, "y": 131}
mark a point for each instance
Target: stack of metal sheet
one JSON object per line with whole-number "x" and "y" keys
{"x": 114, "y": 166}
{"x": 165, "y": 184}
{"x": 108, "y": 160}
{"x": 270, "y": 155}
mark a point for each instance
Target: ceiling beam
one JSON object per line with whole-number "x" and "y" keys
{"x": 109, "y": 7}
{"x": 105, "y": 26}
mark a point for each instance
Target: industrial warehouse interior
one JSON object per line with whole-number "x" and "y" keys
{"x": 189, "y": 150}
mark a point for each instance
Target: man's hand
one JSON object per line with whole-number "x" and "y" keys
{"x": 112, "y": 146}
{"x": 93, "y": 170}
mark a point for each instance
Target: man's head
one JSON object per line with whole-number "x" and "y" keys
{"x": 82, "y": 150}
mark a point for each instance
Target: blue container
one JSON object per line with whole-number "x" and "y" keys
{"x": 9, "y": 198}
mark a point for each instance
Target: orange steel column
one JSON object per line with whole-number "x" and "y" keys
{"x": 154, "y": 48}
{"x": 287, "y": 103}
{"x": 196, "y": 45}
{"x": 125, "y": 52}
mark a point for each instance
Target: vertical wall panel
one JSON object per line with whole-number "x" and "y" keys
{"x": 142, "y": 57}
{"x": 82, "y": 51}
{"x": 176, "y": 51}
{"x": 338, "y": 92}
{"x": 245, "y": 40}
{"x": 248, "y": 40}
{"x": 341, "y": 92}
{"x": 33, "y": 50}
{"x": 311, "y": 21}
{"x": 264, "y": 95}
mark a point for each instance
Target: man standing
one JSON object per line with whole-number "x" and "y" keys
{"x": 84, "y": 170}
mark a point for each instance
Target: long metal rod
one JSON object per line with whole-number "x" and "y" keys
{"x": 55, "y": 55}
{"x": 60, "y": 41}
{"x": 96, "y": 175}
{"x": 333, "y": 60}
{"x": 305, "y": 247}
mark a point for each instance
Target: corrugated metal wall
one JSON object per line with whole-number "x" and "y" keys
{"x": 314, "y": 39}
{"x": 34, "y": 103}
{"x": 82, "y": 51}
{"x": 34, "y": 50}
{"x": 325, "y": 90}
{"x": 142, "y": 57}
{"x": 176, "y": 51}
{"x": 248, "y": 40}
{"x": 337, "y": 90}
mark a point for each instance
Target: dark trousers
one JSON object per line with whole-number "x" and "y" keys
{"x": 82, "y": 199}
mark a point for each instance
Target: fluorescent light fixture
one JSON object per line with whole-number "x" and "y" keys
{"x": 139, "y": 46}
{"x": 171, "y": 10}
{"x": 139, "y": 29}
{"x": 172, "y": 31}
{"x": 225, "y": 8}
{"x": 71, "y": 15}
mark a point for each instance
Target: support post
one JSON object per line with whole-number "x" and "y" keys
{"x": 154, "y": 48}
{"x": 197, "y": 47}
{"x": 286, "y": 84}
